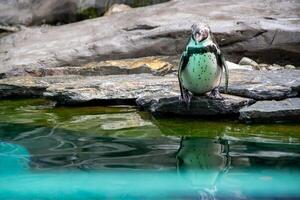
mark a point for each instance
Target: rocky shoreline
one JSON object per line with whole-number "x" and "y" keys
{"x": 131, "y": 58}
{"x": 253, "y": 95}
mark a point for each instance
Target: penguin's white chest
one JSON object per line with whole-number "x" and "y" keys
{"x": 202, "y": 73}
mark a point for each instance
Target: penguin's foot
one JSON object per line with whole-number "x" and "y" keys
{"x": 186, "y": 97}
{"x": 215, "y": 94}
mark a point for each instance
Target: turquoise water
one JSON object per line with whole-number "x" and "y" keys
{"x": 122, "y": 153}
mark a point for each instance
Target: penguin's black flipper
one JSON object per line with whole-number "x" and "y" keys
{"x": 184, "y": 93}
{"x": 226, "y": 72}
{"x": 221, "y": 61}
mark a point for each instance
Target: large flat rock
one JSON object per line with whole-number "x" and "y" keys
{"x": 268, "y": 30}
{"x": 73, "y": 89}
{"x": 264, "y": 85}
{"x": 272, "y": 111}
{"x": 156, "y": 65}
{"x": 199, "y": 106}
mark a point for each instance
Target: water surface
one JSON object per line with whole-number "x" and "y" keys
{"x": 48, "y": 147}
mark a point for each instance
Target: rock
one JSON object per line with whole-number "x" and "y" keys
{"x": 248, "y": 61}
{"x": 33, "y": 12}
{"x": 36, "y": 12}
{"x": 117, "y": 89}
{"x": 159, "y": 65}
{"x": 263, "y": 66}
{"x": 289, "y": 67}
{"x": 117, "y": 8}
{"x": 272, "y": 111}
{"x": 159, "y": 94}
{"x": 9, "y": 28}
{"x": 70, "y": 89}
{"x": 155, "y": 30}
{"x": 233, "y": 66}
{"x": 103, "y": 5}
{"x": 199, "y": 106}
{"x": 24, "y": 87}
{"x": 264, "y": 85}
{"x": 275, "y": 67}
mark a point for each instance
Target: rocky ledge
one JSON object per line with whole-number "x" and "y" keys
{"x": 272, "y": 111}
{"x": 253, "y": 94}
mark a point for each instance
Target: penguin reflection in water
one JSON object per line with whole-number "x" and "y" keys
{"x": 202, "y": 163}
{"x": 201, "y": 65}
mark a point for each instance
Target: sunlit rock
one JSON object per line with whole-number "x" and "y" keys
{"x": 117, "y": 8}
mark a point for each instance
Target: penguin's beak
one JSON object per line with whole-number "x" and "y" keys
{"x": 200, "y": 36}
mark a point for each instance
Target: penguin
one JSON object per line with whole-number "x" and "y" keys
{"x": 201, "y": 65}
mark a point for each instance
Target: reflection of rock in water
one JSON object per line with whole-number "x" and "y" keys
{"x": 249, "y": 153}
{"x": 202, "y": 161}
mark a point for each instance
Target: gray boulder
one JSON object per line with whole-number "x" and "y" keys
{"x": 272, "y": 111}
{"x": 31, "y": 12}
{"x": 36, "y": 12}
{"x": 155, "y": 30}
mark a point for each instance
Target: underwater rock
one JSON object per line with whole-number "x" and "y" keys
{"x": 155, "y": 30}
{"x": 199, "y": 106}
{"x": 272, "y": 111}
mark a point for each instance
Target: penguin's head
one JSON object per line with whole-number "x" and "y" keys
{"x": 200, "y": 32}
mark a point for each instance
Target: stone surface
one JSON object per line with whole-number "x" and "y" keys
{"x": 289, "y": 67}
{"x": 155, "y": 30}
{"x": 37, "y": 12}
{"x": 25, "y": 87}
{"x": 9, "y": 28}
{"x": 70, "y": 89}
{"x": 117, "y": 8}
{"x": 199, "y": 106}
{"x": 248, "y": 61}
{"x": 272, "y": 111}
{"x": 233, "y": 66}
{"x": 264, "y": 85}
{"x": 103, "y": 5}
{"x": 159, "y": 65}
{"x": 30, "y": 12}
{"x": 122, "y": 89}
